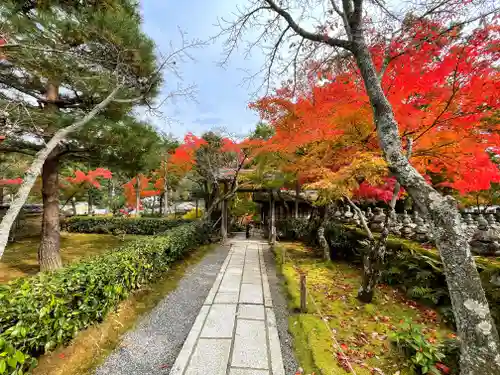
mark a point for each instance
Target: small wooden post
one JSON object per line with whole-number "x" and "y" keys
{"x": 283, "y": 255}
{"x": 197, "y": 208}
{"x": 303, "y": 293}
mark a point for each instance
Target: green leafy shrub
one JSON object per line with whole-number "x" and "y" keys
{"x": 42, "y": 312}
{"x": 238, "y": 227}
{"x": 108, "y": 224}
{"x": 297, "y": 229}
{"x": 423, "y": 356}
{"x": 14, "y": 361}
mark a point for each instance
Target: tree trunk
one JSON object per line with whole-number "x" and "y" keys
{"x": 34, "y": 169}
{"x": 197, "y": 208}
{"x": 285, "y": 203}
{"x": 73, "y": 206}
{"x": 297, "y": 192}
{"x": 223, "y": 225}
{"x": 165, "y": 198}
{"x": 273, "y": 220}
{"x": 372, "y": 266}
{"x": 137, "y": 196}
{"x": 477, "y": 331}
{"x": 110, "y": 196}
{"x": 1, "y": 194}
{"x": 323, "y": 243}
{"x": 49, "y": 257}
{"x": 161, "y": 205}
{"x": 90, "y": 208}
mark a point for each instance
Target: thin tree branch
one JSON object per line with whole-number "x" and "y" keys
{"x": 334, "y": 42}
{"x": 361, "y": 218}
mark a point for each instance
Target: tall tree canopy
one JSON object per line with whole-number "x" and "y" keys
{"x": 441, "y": 93}
{"x": 61, "y": 62}
{"x": 211, "y": 161}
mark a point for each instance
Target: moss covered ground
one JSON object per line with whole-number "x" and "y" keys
{"x": 360, "y": 330}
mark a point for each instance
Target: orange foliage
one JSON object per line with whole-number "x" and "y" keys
{"x": 440, "y": 91}
{"x": 129, "y": 189}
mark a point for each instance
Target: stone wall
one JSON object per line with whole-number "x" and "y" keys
{"x": 483, "y": 229}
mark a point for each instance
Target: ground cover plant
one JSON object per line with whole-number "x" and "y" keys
{"x": 364, "y": 332}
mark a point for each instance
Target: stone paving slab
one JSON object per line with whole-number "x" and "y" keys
{"x": 251, "y": 312}
{"x": 230, "y": 283}
{"x": 251, "y": 293}
{"x": 219, "y": 322}
{"x": 226, "y": 297}
{"x": 250, "y": 348}
{"x": 240, "y": 371}
{"x": 209, "y": 357}
{"x": 235, "y": 333}
{"x": 183, "y": 357}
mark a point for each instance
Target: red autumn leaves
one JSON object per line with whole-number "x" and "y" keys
{"x": 11, "y": 181}
{"x": 90, "y": 178}
{"x": 444, "y": 92}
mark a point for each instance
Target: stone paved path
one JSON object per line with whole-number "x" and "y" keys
{"x": 235, "y": 331}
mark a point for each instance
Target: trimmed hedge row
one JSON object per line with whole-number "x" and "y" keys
{"x": 411, "y": 267}
{"x": 42, "y": 312}
{"x": 119, "y": 225}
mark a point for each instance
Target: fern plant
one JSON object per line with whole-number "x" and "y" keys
{"x": 423, "y": 356}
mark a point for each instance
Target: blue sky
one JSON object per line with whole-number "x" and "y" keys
{"x": 222, "y": 100}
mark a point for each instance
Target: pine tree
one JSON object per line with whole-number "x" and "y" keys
{"x": 60, "y": 59}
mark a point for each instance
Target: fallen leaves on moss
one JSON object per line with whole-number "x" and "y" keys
{"x": 361, "y": 330}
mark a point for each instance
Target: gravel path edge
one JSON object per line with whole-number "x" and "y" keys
{"x": 152, "y": 347}
{"x": 280, "y": 306}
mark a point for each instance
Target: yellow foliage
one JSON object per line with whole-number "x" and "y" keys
{"x": 191, "y": 215}
{"x": 364, "y": 166}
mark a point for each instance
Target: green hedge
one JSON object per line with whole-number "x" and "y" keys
{"x": 42, "y": 312}
{"x": 410, "y": 266}
{"x": 118, "y": 225}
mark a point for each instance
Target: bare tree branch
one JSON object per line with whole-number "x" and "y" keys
{"x": 34, "y": 170}
{"x": 361, "y": 217}
{"x": 334, "y": 42}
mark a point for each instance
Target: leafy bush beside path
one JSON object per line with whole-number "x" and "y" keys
{"x": 42, "y": 312}
{"x": 120, "y": 225}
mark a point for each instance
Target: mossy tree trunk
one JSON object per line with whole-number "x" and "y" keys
{"x": 373, "y": 260}
{"x": 323, "y": 243}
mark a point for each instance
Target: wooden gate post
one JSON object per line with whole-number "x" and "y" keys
{"x": 273, "y": 219}
{"x": 303, "y": 293}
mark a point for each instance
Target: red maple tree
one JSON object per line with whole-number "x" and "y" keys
{"x": 440, "y": 92}
{"x": 91, "y": 178}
